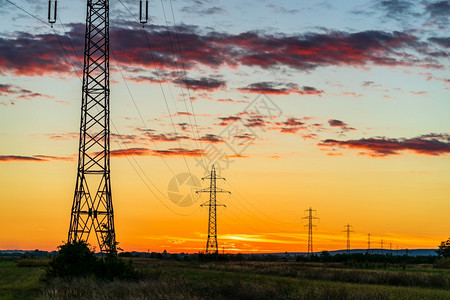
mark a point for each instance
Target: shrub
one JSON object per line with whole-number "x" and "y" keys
{"x": 75, "y": 259}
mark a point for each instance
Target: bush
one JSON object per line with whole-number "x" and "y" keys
{"x": 75, "y": 259}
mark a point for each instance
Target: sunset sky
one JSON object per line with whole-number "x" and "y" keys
{"x": 338, "y": 105}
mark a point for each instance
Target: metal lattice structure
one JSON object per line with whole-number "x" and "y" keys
{"x": 310, "y": 225}
{"x": 348, "y": 230}
{"x": 92, "y": 208}
{"x": 211, "y": 243}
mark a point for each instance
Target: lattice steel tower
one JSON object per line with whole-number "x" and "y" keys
{"x": 92, "y": 207}
{"x": 211, "y": 243}
{"x": 348, "y": 226}
{"x": 310, "y": 225}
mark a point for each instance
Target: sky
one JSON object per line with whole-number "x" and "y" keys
{"x": 341, "y": 106}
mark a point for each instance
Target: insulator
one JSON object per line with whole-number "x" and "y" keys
{"x": 143, "y": 16}
{"x": 52, "y": 14}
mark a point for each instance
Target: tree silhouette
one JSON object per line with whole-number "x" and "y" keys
{"x": 444, "y": 249}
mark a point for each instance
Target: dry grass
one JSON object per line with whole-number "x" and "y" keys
{"x": 174, "y": 280}
{"x": 382, "y": 277}
{"x": 163, "y": 279}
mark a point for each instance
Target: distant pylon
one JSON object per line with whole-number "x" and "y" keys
{"x": 211, "y": 243}
{"x": 368, "y": 243}
{"x": 310, "y": 225}
{"x": 92, "y": 208}
{"x": 348, "y": 226}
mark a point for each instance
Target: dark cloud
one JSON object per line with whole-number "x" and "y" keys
{"x": 278, "y": 88}
{"x": 19, "y": 93}
{"x": 198, "y": 9}
{"x": 180, "y": 152}
{"x": 163, "y": 137}
{"x": 130, "y": 152}
{"x": 201, "y": 84}
{"x": 38, "y": 158}
{"x": 224, "y": 121}
{"x": 255, "y": 121}
{"x": 204, "y": 83}
{"x": 397, "y": 9}
{"x": 36, "y": 55}
{"x": 184, "y": 126}
{"x": 443, "y": 42}
{"x": 291, "y": 125}
{"x": 19, "y": 158}
{"x": 40, "y": 54}
{"x": 211, "y": 138}
{"x": 148, "y": 152}
{"x": 283, "y": 10}
{"x": 432, "y": 144}
{"x": 439, "y": 12}
{"x": 340, "y": 124}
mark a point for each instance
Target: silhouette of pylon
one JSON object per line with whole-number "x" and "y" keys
{"x": 92, "y": 208}
{"x": 211, "y": 243}
{"x": 310, "y": 225}
{"x": 348, "y": 226}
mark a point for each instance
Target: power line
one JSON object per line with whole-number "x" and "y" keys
{"x": 184, "y": 72}
{"x": 162, "y": 90}
{"x": 28, "y": 13}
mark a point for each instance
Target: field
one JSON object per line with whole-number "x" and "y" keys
{"x": 171, "y": 279}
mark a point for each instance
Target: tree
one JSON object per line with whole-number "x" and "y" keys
{"x": 74, "y": 259}
{"x": 444, "y": 249}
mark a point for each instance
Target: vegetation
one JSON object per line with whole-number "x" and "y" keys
{"x": 231, "y": 277}
{"x": 444, "y": 249}
{"x": 75, "y": 259}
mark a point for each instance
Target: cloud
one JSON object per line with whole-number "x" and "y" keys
{"x": 130, "y": 152}
{"x": 198, "y": 9}
{"x": 64, "y": 136}
{"x": 40, "y": 54}
{"x": 148, "y": 152}
{"x": 225, "y": 121}
{"x": 439, "y": 12}
{"x": 164, "y": 137}
{"x": 443, "y": 42}
{"x": 35, "y": 55}
{"x": 283, "y": 10}
{"x": 256, "y": 121}
{"x": 431, "y": 144}
{"x": 180, "y": 152}
{"x": 201, "y": 84}
{"x": 340, "y": 124}
{"x": 35, "y": 158}
{"x": 19, "y": 93}
{"x": 204, "y": 83}
{"x": 399, "y": 10}
{"x": 291, "y": 125}
{"x": 19, "y": 158}
{"x": 278, "y": 88}
{"x": 211, "y": 138}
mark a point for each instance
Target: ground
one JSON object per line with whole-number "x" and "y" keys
{"x": 171, "y": 279}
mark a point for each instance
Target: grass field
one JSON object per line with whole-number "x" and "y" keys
{"x": 169, "y": 279}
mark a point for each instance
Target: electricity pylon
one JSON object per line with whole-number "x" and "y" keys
{"x": 368, "y": 243}
{"x": 92, "y": 207}
{"x": 348, "y": 226}
{"x": 211, "y": 243}
{"x": 310, "y": 225}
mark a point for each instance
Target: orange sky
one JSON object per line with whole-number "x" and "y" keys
{"x": 337, "y": 106}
